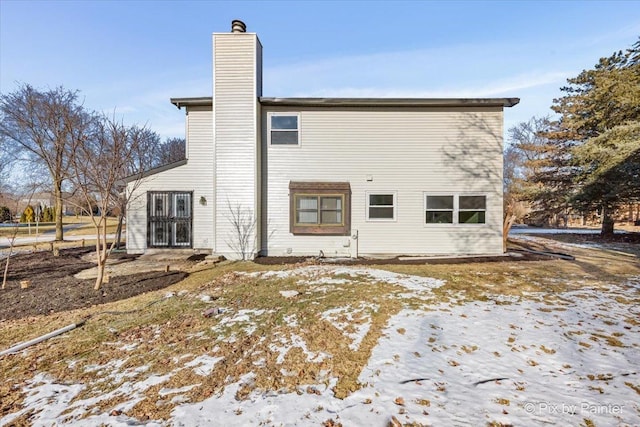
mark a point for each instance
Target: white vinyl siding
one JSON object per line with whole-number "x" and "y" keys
{"x": 196, "y": 176}
{"x": 235, "y": 90}
{"x": 410, "y": 151}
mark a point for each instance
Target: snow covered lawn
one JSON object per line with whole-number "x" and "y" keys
{"x": 418, "y": 354}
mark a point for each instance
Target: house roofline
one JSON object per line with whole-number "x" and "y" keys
{"x": 392, "y": 102}
{"x": 362, "y": 102}
{"x": 154, "y": 171}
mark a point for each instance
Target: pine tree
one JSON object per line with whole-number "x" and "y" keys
{"x": 594, "y": 147}
{"x": 5, "y": 214}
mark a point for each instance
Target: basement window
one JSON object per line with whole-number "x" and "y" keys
{"x": 284, "y": 129}
{"x": 320, "y": 208}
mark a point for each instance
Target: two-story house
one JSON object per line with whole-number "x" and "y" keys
{"x": 323, "y": 176}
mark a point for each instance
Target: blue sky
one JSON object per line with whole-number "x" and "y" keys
{"x": 131, "y": 57}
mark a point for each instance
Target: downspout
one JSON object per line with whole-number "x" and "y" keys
{"x": 355, "y": 237}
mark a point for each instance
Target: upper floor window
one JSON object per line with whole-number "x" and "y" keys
{"x": 284, "y": 129}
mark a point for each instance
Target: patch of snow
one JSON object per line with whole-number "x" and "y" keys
{"x": 330, "y": 281}
{"x": 472, "y": 364}
{"x": 168, "y": 391}
{"x": 241, "y": 316}
{"x": 361, "y": 324}
{"x": 111, "y": 366}
{"x": 203, "y": 365}
{"x": 244, "y": 317}
{"x": 283, "y": 344}
{"x": 205, "y": 298}
{"x": 49, "y": 397}
{"x": 53, "y": 405}
{"x": 546, "y": 358}
{"x": 128, "y": 347}
{"x": 326, "y": 275}
{"x": 289, "y": 294}
{"x": 291, "y": 320}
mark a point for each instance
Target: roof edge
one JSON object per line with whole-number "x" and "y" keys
{"x": 202, "y": 101}
{"x": 154, "y": 171}
{"x": 392, "y": 102}
{"x": 361, "y": 102}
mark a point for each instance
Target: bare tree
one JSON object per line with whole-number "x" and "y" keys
{"x": 5, "y": 164}
{"x": 142, "y": 158}
{"x": 523, "y": 157}
{"x": 243, "y": 237}
{"x": 99, "y": 163}
{"x": 43, "y": 125}
{"x": 170, "y": 151}
{"x": 25, "y": 193}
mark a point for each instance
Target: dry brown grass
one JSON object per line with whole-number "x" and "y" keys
{"x": 85, "y": 227}
{"x": 173, "y": 331}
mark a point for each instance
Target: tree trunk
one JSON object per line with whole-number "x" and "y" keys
{"x": 607, "y": 222}
{"x": 506, "y": 227}
{"x": 6, "y": 267}
{"x": 100, "y": 277}
{"x": 57, "y": 192}
{"x": 119, "y": 231}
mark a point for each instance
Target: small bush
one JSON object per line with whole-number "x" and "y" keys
{"x": 47, "y": 214}
{"x": 5, "y": 214}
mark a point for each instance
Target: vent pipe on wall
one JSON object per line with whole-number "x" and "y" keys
{"x": 237, "y": 26}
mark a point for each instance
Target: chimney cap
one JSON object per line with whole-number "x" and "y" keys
{"x": 237, "y": 26}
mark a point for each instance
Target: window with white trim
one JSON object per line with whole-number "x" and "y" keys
{"x": 381, "y": 206}
{"x": 284, "y": 129}
{"x": 455, "y": 209}
{"x": 439, "y": 209}
{"x": 472, "y": 209}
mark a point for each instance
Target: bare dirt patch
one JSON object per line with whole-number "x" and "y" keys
{"x": 53, "y": 287}
{"x": 401, "y": 260}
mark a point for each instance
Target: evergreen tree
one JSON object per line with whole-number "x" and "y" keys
{"x": 594, "y": 147}
{"x": 5, "y": 214}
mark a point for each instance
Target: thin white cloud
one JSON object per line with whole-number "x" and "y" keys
{"x": 462, "y": 70}
{"x": 507, "y": 87}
